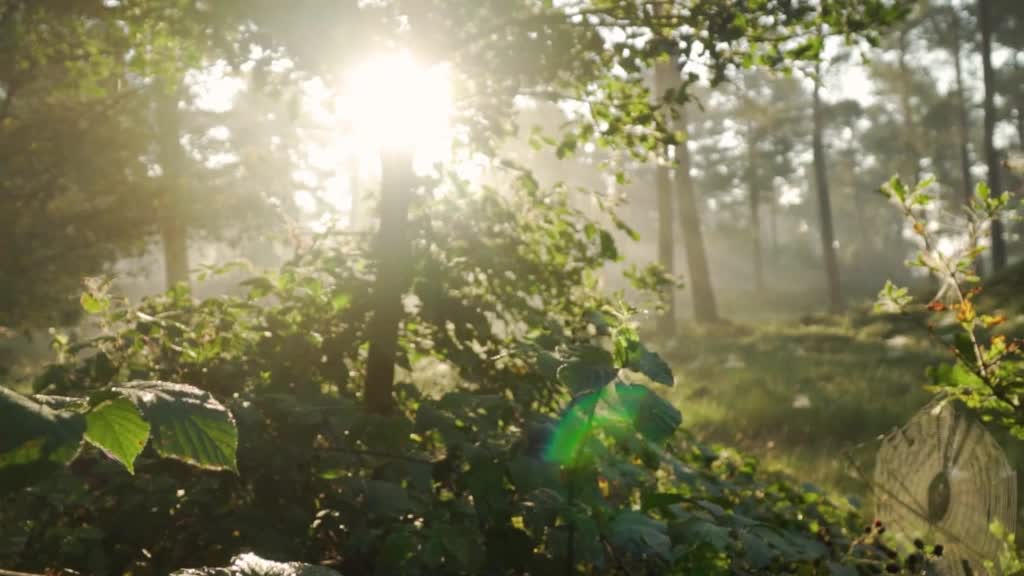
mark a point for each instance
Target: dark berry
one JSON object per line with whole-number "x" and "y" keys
{"x": 892, "y": 568}
{"x": 938, "y": 550}
{"x": 918, "y": 544}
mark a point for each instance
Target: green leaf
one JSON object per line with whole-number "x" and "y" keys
{"x": 650, "y": 364}
{"x": 26, "y": 422}
{"x": 697, "y": 530}
{"x": 387, "y": 498}
{"x": 116, "y": 427}
{"x": 652, "y": 500}
{"x": 572, "y": 429}
{"x": 34, "y": 439}
{"x": 652, "y": 416}
{"x": 756, "y": 551}
{"x": 589, "y": 369}
{"x": 93, "y": 304}
{"x": 186, "y": 423}
{"x": 640, "y": 535}
{"x": 837, "y": 569}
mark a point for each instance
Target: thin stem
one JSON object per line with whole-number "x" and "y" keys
{"x": 951, "y": 276}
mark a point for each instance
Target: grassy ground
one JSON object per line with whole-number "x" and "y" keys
{"x": 807, "y": 396}
{"x": 798, "y": 394}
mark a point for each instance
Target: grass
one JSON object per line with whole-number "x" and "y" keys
{"x": 800, "y": 394}
{"x": 810, "y": 397}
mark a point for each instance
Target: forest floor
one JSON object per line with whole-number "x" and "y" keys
{"x": 812, "y": 397}
{"x": 804, "y": 397}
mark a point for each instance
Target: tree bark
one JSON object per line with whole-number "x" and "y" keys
{"x": 991, "y": 153}
{"x": 354, "y": 205}
{"x": 173, "y": 227}
{"x": 910, "y": 138}
{"x": 754, "y": 193}
{"x": 393, "y": 254}
{"x": 1020, "y": 101}
{"x": 961, "y": 104}
{"x": 828, "y": 247}
{"x": 705, "y": 309}
{"x": 664, "y": 80}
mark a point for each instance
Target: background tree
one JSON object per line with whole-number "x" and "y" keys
{"x": 992, "y": 158}
{"x": 828, "y": 242}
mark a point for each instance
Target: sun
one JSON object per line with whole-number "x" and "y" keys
{"x": 393, "y": 102}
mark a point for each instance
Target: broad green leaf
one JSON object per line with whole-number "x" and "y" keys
{"x": 387, "y": 498}
{"x": 650, "y": 364}
{"x": 642, "y": 536}
{"x": 837, "y": 569}
{"x": 34, "y": 439}
{"x": 116, "y": 427}
{"x": 572, "y": 429}
{"x": 589, "y": 369}
{"x": 652, "y": 500}
{"x": 763, "y": 544}
{"x": 756, "y": 551}
{"x": 696, "y": 530}
{"x": 652, "y": 416}
{"x": 186, "y": 423}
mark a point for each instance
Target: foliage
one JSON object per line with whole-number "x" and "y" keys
{"x": 793, "y": 394}
{"x": 557, "y": 459}
{"x": 988, "y": 372}
{"x": 549, "y": 450}
{"x": 179, "y": 421}
{"x": 1009, "y": 561}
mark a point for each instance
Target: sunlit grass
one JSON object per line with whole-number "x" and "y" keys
{"x": 799, "y": 395}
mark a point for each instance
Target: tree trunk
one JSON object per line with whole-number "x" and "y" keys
{"x": 991, "y": 154}
{"x": 354, "y": 201}
{"x": 173, "y": 227}
{"x": 828, "y": 247}
{"x": 705, "y": 310}
{"x": 773, "y": 205}
{"x": 754, "y": 192}
{"x": 910, "y": 138}
{"x": 961, "y": 104}
{"x": 664, "y": 80}
{"x": 1020, "y": 101}
{"x": 393, "y": 254}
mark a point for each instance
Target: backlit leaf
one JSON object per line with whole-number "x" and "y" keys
{"x": 116, "y": 427}
{"x": 187, "y": 423}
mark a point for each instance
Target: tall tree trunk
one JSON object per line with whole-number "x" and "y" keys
{"x": 991, "y": 154}
{"x": 354, "y": 205}
{"x": 754, "y": 193}
{"x": 705, "y": 310}
{"x": 393, "y": 253}
{"x": 665, "y": 76}
{"x": 828, "y": 247}
{"x": 910, "y": 139}
{"x": 173, "y": 227}
{"x": 773, "y": 204}
{"x": 773, "y": 207}
{"x": 961, "y": 104}
{"x": 1020, "y": 101}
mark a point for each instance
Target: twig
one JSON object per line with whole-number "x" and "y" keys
{"x": 15, "y": 573}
